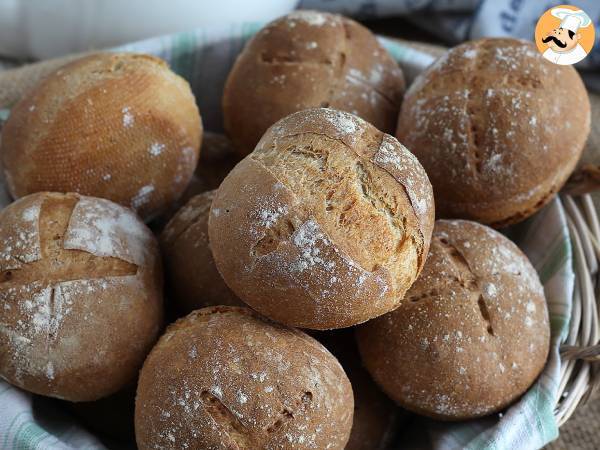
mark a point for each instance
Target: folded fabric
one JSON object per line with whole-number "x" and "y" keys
{"x": 454, "y": 21}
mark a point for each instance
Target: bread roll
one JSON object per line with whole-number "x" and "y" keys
{"x": 117, "y": 126}
{"x": 473, "y": 334}
{"x": 194, "y": 281}
{"x": 497, "y": 127}
{"x": 305, "y": 60}
{"x": 222, "y": 377}
{"x": 326, "y": 224}
{"x": 81, "y": 289}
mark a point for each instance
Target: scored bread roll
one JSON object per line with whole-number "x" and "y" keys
{"x": 325, "y": 225}
{"x": 81, "y": 289}
{"x": 118, "y": 126}
{"x": 497, "y": 127}
{"x": 192, "y": 276}
{"x": 473, "y": 333}
{"x": 310, "y": 59}
{"x": 223, "y": 377}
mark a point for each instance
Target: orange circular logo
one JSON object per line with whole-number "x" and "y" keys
{"x": 564, "y": 34}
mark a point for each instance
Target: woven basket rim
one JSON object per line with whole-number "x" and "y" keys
{"x": 580, "y": 350}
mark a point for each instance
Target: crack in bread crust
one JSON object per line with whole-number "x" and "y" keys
{"x": 235, "y": 430}
{"x": 51, "y": 269}
{"x": 320, "y": 157}
{"x": 59, "y": 265}
{"x": 467, "y": 279}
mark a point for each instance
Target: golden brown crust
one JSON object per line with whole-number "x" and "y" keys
{"x": 224, "y": 378}
{"x": 497, "y": 127}
{"x": 325, "y": 225}
{"x": 310, "y": 59}
{"x": 193, "y": 278}
{"x": 117, "y": 126}
{"x": 81, "y": 289}
{"x": 473, "y": 334}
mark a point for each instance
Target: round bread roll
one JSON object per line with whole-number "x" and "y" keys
{"x": 304, "y": 60}
{"x": 192, "y": 276}
{"x": 497, "y": 127}
{"x": 473, "y": 333}
{"x": 222, "y": 377}
{"x": 326, "y": 224}
{"x": 81, "y": 290}
{"x": 117, "y": 126}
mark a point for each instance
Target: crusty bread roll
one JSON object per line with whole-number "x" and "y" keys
{"x": 117, "y": 126}
{"x": 193, "y": 279}
{"x": 305, "y": 60}
{"x": 326, "y": 224}
{"x": 473, "y": 333}
{"x": 497, "y": 127}
{"x": 81, "y": 289}
{"x": 222, "y": 377}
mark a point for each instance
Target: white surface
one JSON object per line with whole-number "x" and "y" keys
{"x": 49, "y": 28}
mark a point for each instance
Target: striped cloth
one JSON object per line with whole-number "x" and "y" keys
{"x": 204, "y": 57}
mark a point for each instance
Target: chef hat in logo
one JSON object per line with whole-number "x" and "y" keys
{"x": 571, "y": 19}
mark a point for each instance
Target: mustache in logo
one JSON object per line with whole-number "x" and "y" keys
{"x": 555, "y": 40}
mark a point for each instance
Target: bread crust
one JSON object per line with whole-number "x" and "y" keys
{"x": 310, "y": 59}
{"x": 223, "y": 377}
{"x": 117, "y": 126}
{"x": 473, "y": 334}
{"x": 497, "y": 127}
{"x": 81, "y": 289}
{"x": 325, "y": 225}
{"x": 194, "y": 281}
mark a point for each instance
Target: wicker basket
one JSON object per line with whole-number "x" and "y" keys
{"x": 579, "y": 376}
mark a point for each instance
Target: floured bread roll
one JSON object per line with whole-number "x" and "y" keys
{"x": 497, "y": 127}
{"x": 305, "y": 60}
{"x": 117, "y": 126}
{"x": 326, "y": 224}
{"x": 223, "y": 377}
{"x": 473, "y": 333}
{"x": 80, "y": 295}
{"x": 192, "y": 276}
